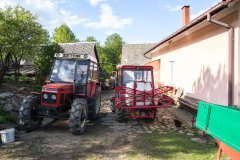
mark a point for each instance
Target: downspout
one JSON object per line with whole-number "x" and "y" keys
{"x": 230, "y": 56}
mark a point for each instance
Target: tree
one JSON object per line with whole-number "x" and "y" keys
{"x": 63, "y": 34}
{"x": 21, "y": 37}
{"x": 112, "y": 52}
{"x": 43, "y": 61}
{"x": 90, "y": 39}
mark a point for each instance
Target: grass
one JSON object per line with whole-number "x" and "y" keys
{"x": 4, "y": 117}
{"x": 171, "y": 146}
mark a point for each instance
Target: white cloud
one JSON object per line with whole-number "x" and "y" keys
{"x": 173, "y": 8}
{"x": 41, "y": 4}
{"x": 192, "y": 16}
{"x": 3, "y": 4}
{"x": 96, "y": 2}
{"x": 52, "y": 14}
{"x": 72, "y": 19}
{"x": 49, "y": 12}
{"x": 109, "y": 21}
{"x": 63, "y": 1}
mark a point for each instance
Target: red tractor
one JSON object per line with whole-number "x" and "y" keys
{"x": 73, "y": 93}
{"x": 135, "y": 95}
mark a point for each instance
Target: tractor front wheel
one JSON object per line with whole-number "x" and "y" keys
{"x": 27, "y": 112}
{"x": 78, "y": 116}
{"x": 120, "y": 115}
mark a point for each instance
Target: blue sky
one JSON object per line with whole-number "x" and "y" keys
{"x": 137, "y": 21}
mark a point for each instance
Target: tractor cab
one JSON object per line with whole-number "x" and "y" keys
{"x": 134, "y": 75}
{"x": 69, "y": 71}
{"x": 71, "y": 75}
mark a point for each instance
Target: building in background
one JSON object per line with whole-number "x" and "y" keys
{"x": 132, "y": 54}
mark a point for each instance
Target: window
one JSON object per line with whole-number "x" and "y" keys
{"x": 81, "y": 72}
{"x": 171, "y": 71}
{"x": 93, "y": 71}
{"x": 63, "y": 71}
{"x": 136, "y": 75}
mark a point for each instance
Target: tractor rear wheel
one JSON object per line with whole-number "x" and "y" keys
{"x": 95, "y": 108}
{"x": 112, "y": 106}
{"x": 120, "y": 115}
{"x": 27, "y": 112}
{"x": 78, "y": 116}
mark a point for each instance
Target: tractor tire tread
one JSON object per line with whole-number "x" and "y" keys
{"x": 75, "y": 116}
{"x": 93, "y": 115}
{"x": 25, "y": 117}
{"x": 120, "y": 115}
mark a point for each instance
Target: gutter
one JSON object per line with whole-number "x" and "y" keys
{"x": 230, "y": 56}
{"x": 215, "y": 9}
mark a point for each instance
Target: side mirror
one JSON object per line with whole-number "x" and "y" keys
{"x": 47, "y": 81}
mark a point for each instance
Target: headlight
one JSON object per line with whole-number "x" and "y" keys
{"x": 45, "y": 96}
{"x": 54, "y": 97}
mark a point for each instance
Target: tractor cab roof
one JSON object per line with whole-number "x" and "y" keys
{"x": 134, "y": 67}
{"x": 79, "y": 50}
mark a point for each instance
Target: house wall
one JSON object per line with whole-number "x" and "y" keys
{"x": 199, "y": 62}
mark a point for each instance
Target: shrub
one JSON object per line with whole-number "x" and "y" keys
{"x": 5, "y": 117}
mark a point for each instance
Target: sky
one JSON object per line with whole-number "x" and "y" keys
{"x": 137, "y": 21}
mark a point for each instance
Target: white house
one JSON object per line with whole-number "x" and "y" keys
{"x": 203, "y": 56}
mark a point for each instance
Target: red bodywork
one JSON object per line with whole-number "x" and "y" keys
{"x": 58, "y": 89}
{"x": 63, "y": 90}
{"x": 128, "y": 98}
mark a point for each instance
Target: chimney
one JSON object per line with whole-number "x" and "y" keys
{"x": 185, "y": 15}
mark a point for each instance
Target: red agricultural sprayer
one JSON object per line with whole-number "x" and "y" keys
{"x": 135, "y": 94}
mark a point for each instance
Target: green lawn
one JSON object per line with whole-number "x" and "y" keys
{"x": 171, "y": 146}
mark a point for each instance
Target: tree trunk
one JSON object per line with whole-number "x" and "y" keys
{"x": 16, "y": 74}
{"x": 17, "y": 61}
{"x": 4, "y": 67}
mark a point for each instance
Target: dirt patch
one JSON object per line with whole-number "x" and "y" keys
{"x": 103, "y": 139}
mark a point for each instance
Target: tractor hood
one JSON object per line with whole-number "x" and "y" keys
{"x": 57, "y": 87}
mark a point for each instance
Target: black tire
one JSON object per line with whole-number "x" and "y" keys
{"x": 112, "y": 106}
{"x": 96, "y": 105}
{"x": 120, "y": 115}
{"x": 26, "y": 114}
{"x": 78, "y": 116}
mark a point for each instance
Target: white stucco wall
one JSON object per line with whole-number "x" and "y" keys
{"x": 200, "y": 66}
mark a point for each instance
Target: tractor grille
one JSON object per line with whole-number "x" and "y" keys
{"x": 62, "y": 98}
{"x": 49, "y": 98}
